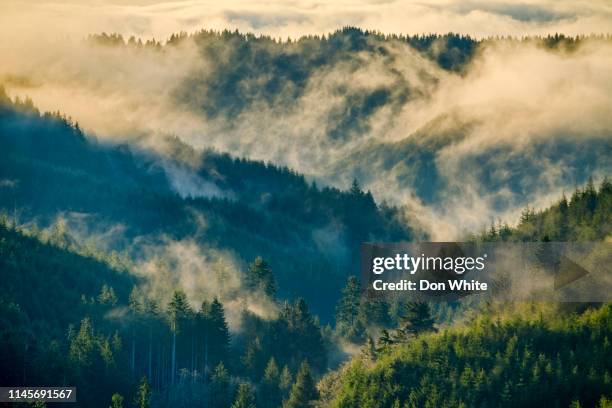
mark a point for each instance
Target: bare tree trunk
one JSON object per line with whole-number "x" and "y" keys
{"x": 133, "y": 359}
{"x": 161, "y": 368}
{"x": 173, "y": 365}
{"x": 192, "y": 358}
{"x": 150, "y": 354}
{"x": 205, "y": 357}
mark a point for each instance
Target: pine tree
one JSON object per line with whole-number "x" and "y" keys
{"x": 590, "y": 197}
{"x": 376, "y": 312}
{"x": 416, "y": 319}
{"x": 348, "y": 320}
{"x": 219, "y": 333}
{"x": 220, "y": 384}
{"x": 260, "y": 277}
{"x": 107, "y": 296}
{"x": 245, "y": 398}
{"x": 82, "y": 344}
{"x": 143, "y": 394}
{"x": 116, "y": 401}
{"x": 355, "y": 188}
{"x": 303, "y": 391}
{"x": 285, "y": 381}
{"x": 178, "y": 312}
{"x": 270, "y": 386}
{"x": 563, "y": 219}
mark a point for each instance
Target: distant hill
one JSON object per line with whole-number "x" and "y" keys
{"x": 402, "y": 114}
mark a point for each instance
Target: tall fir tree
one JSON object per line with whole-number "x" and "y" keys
{"x": 178, "y": 314}
{"x": 270, "y": 391}
{"x": 143, "y": 394}
{"x": 260, "y": 277}
{"x": 219, "y": 332}
{"x": 220, "y": 387}
{"x": 416, "y": 320}
{"x": 245, "y": 397}
{"x": 348, "y": 316}
{"x": 304, "y": 391}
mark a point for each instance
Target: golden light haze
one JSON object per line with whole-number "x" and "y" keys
{"x": 280, "y": 19}
{"x": 508, "y": 97}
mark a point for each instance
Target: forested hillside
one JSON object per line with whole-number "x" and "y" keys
{"x": 522, "y": 355}
{"x": 198, "y": 244}
{"x": 310, "y": 235}
{"x": 585, "y": 216}
{"x": 70, "y": 316}
{"x": 402, "y": 114}
{"x": 506, "y": 354}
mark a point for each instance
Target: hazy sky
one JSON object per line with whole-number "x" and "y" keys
{"x": 146, "y": 18}
{"x": 115, "y": 93}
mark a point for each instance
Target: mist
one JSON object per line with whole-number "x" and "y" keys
{"x": 203, "y": 274}
{"x": 485, "y": 134}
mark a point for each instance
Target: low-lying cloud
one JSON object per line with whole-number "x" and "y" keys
{"x": 486, "y": 135}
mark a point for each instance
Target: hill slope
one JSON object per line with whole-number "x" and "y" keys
{"x": 552, "y": 358}
{"x": 309, "y": 235}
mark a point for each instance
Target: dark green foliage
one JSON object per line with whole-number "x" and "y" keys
{"x": 53, "y": 321}
{"x": 416, "y": 319}
{"x": 53, "y": 167}
{"x": 303, "y": 392}
{"x": 184, "y": 355}
{"x": 355, "y": 312}
{"x": 143, "y": 394}
{"x": 586, "y": 216}
{"x": 215, "y": 332}
{"x": 260, "y": 70}
{"x": 298, "y": 328}
{"x": 179, "y": 311}
{"x": 220, "y": 392}
{"x": 116, "y": 401}
{"x": 65, "y": 313}
{"x": 285, "y": 381}
{"x": 517, "y": 361}
{"x": 348, "y": 319}
{"x": 259, "y": 277}
{"x": 245, "y": 397}
{"x": 270, "y": 388}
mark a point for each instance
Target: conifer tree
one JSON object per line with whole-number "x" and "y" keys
{"x": 285, "y": 381}
{"x": 303, "y": 391}
{"x": 82, "y": 344}
{"x": 260, "y": 277}
{"x": 270, "y": 386}
{"x": 219, "y": 387}
{"x": 116, "y": 401}
{"x": 245, "y": 398}
{"x": 143, "y": 394}
{"x": 178, "y": 312}
{"x": 416, "y": 319}
{"x": 348, "y": 316}
{"x": 219, "y": 332}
